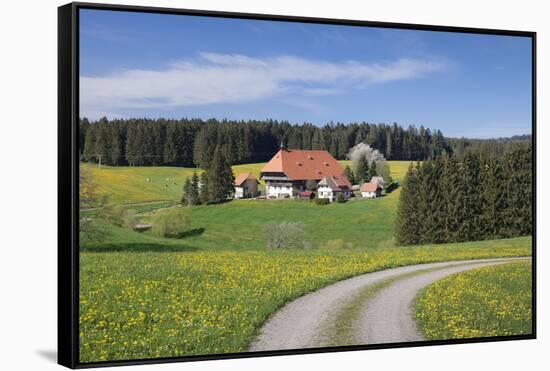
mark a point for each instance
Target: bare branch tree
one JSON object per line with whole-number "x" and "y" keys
{"x": 284, "y": 235}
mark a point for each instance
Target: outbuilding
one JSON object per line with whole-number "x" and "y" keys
{"x": 246, "y": 186}
{"x": 370, "y": 190}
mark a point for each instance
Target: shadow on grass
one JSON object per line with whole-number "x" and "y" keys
{"x": 219, "y": 202}
{"x": 190, "y": 233}
{"x": 137, "y": 247}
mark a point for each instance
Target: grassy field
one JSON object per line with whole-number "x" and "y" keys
{"x": 240, "y": 224}
{"x": 160, "y": 304}
{"x": 130, "y": 185}
{"x": 490, "y": 301}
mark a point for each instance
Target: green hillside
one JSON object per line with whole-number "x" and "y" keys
{"x": 240, "y": 224}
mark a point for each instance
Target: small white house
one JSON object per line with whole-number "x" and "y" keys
{"x": 331, "y": 186}
{"x": 370, "y": 190}
{"x": 246, "y": 185}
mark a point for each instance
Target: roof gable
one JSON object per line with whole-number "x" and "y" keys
{"x": 241, "y": 178}
{"x": 303, "y": 164}
{"x": 340, "y": 183}
{"x": 370, "y": 187}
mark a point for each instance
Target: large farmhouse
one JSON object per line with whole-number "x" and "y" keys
{"x": 291, "y": 168}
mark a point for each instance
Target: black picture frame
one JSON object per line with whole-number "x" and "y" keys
{"x": 68, "y": 179}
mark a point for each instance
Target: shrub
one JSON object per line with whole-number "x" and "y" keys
{"x": 284, "y": 235}
{"x": 392, "y": 186}
{"x": 114, "y": 214}
{"x": 170, "y": 223}
{"x": 322, "y": 201}
{"x": 340, "y": 198}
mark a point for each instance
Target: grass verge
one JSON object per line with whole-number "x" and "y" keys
{"x": 484, "y": 302}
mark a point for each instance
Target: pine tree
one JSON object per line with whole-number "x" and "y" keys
{"x": 494, "y": 200}
{"x": 84, "y": 125}
{"x": 89, "y": 152}
{"x": 362, "y": 170}
{"x": 317, "y": 142}
{"x": 203, "y": 189}
{"x": 186, "y": 192}
{"x": 139, "y": 145}
{"x": 170, "y": 152}
{"x": 158, "y": 131}
{"x": 148, "y": 146}
{"x": 115, "y": 155}
{"x": 470, "y": 210}
{"x": 519, "y": 191}
{"x": 205, "y": 140}
{"x": 454, "y": 197}
{"x": 102, "y": 146}
{"x": 349, "y": 174}
{"x": 193, "y": 198}
{"x": 407, "y": 224}
{"x": 432, "y": 203}
{"x": 220, "y": 178}
{"x": 389, "y": 145}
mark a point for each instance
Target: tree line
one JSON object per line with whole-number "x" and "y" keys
{"x": 452, "y": 199}
{"x": 190, "y": 142}
{"x": 486, "y": 148}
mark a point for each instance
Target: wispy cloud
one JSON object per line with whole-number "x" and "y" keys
{"x": 212, "y": 78}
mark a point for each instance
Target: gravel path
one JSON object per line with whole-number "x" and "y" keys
{"x": 386, "y": 317}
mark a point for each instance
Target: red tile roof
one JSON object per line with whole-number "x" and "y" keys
{"x": 241, "y": 178}
{"x": 303, "y": 164}
{"x": 336, "y": 183}
{"x": 370, "y": 187}
{"x": 342, "y": 181}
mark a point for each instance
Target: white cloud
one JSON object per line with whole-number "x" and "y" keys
{"x": 233, "y": 78}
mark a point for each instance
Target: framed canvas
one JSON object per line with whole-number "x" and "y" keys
{"x": 242, "y": 185}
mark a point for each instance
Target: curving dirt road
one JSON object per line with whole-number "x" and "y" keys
{"x": 367, "y": 309}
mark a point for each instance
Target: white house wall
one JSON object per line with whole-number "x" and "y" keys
{"x": 278, "y": 191}
{"x": 324, "y": 192}
{"x": 368, "y": 194}
{"x": 238, "y": 192}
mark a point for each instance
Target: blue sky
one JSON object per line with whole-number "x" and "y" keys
{"x": 151, "y": 65}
